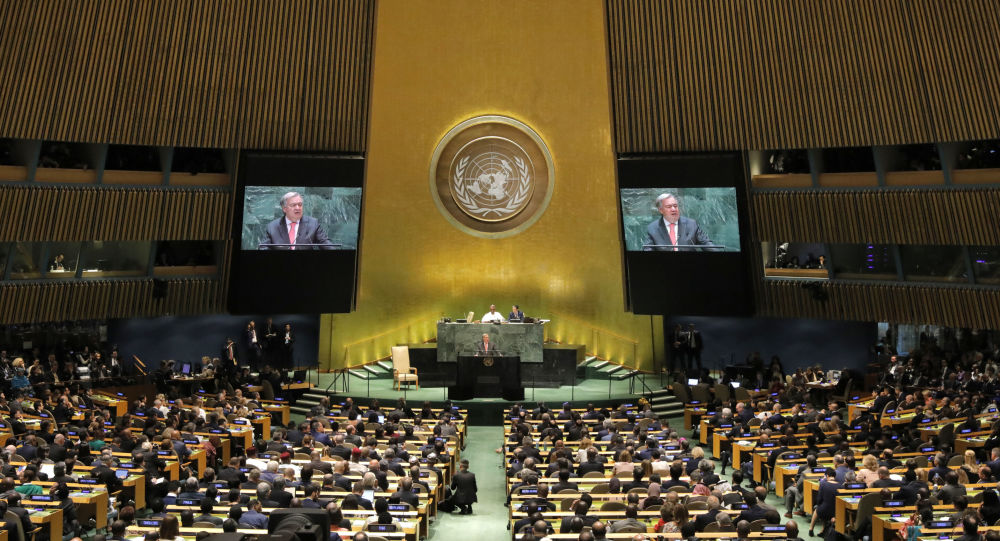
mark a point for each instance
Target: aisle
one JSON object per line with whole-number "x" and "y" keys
{"x": 488, "y": 521}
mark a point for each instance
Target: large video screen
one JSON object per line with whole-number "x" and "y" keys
{"x": 673, "y": 219}
{"x": 683, "y": 218}
{"x": 296, "y": 232}
{"x": 322, "y": 218}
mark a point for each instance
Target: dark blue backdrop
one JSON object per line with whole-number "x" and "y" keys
{"x": 190, "y": 338}
{"x": 799, "y": 342}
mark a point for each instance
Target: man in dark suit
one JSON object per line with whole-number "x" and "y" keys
{"x": 405, "y": 494}
{"x": 230, "y": 360}
{"x": 463, "y": 485}
{"x": 251, "y": 339}
{"x": 714, "y": 507}
{"x": 485, "y": 346}
{"x": 754, "y": 511}
{"x": 516, "y": 315}
{"x": 294, "y": 228}
{"x": 673, "y": 232}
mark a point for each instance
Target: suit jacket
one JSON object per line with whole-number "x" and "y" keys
{"x": 308, "y": 231}
{"x": 688, "y": 233}
{"x": 516, "y": 316}
{"x": 464, "y": 486}
{"x": 483, "y": 347}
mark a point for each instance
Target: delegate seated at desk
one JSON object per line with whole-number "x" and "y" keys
{"x": 516, "y": 314}
{"x": 492, "y": 316}
{"x": 484, "y": 346}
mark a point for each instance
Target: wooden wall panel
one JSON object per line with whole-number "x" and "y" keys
{"x": 758, "y": 74}
{"x": 897, "y": 303}
{"x": 102, "y": 299}
{"x": 70, "y": 213}
{"x": 918, "y": 216}
{"x": 206, "y": 73}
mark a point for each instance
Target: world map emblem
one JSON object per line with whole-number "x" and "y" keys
{"x": 491, "y": 176}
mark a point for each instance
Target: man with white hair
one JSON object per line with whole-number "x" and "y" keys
{"x": 673, "y": 232}
{"x": 295, "y": 228}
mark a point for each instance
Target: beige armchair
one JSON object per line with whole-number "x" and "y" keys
{"x": 402, "y": 372}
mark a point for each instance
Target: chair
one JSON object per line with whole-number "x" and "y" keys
{"x": 566, "y": 504}
{"x": 741, "y": 394}
{"x": 302, "y": 456}
{"x": 946, "y": 436}
{"x": 711, "y": 527}
{"x": 18, "y": 533}
{"x": 612, "y": 506}
{"x": 694, "y": 499}
{"x": 632, "y": 529}
{"x": 866, "y": 506}
{"x": 921, "y": 461}
{"x": 700, "y": 393}
{"x": 681, "y": 392}
{"x": 567, "y": 491}
{"x": 697, "y": 506}
{"x": 722, "y": 392}
{"x": 637, "y": 490}
{"x": 653, "y": 508}
{"x": 680, "y": 490}
{"x": 956, "y": 460}
{"x": 266, "y": 390}
{"x": 890, "y": 406}
{"x": 847, "y": 392}
{"x": 758, "y": 525}
{"x": 402, "y": 372}
{"x": 204, "y": 524}
{"x": 600, "y": 488}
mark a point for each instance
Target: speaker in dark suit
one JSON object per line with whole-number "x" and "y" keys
{"x": 294, "y": 228}
{"x": 674, "y": 229}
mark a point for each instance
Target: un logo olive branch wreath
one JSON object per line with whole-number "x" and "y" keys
{"x": 469, "y": 203}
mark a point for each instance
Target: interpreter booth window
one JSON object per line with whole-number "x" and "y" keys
{"x": 4, "y": 254}
{"x": 132, "y": 158}
{"x": 107, "y": 259}
{"x": 863, "y": 261}
{"x": 185, "y": 257}
{"x": 933, "y": 263}
{"x": 63, "y": 260}
{"x": 795, "y": 260}
{"x": 26, "y": 260}
{"x": 986, "y": 264}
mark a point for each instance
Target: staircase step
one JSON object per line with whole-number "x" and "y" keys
{"x": 597, "y": 365}
{"x": 386, "y": 365}
{"x": 626, "y": 375}
{"x": 360, "y": 374}
{"x": 664, "y": 400}
{"x": 588, "y": 360}
{"x": 372, "y": 369}
{"x": 300, "y": 409}
{"x": 612, "y": 368}
{"x": 661, "y": 392}
{"x": 313, "y": 396}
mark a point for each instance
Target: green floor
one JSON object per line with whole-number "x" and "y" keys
{"x": 588, "y": 389}
{"x": 488, "y": 521}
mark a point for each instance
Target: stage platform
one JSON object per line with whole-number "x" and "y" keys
{"x": 599, "y": 391}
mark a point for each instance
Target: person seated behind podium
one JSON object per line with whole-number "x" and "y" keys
{"x": 485, "y": 346}
{"x": 492, "y": 316}
{"x": 673, "y": 229}
{"x": 294, "y": 228}
{"x": 515, "y": 315}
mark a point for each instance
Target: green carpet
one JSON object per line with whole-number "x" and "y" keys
{"x": 488, "y": 521}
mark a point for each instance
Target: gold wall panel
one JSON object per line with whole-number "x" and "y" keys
{"x": 206, "y": 73}
{"x": 436, "y": 64}
{"x": 915, "y": 216}
{"x": 760, "y": 74}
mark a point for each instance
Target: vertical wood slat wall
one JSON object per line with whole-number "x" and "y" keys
{"x": 759, "y": 74}
{"x": 965, "y": 217}
{"x": 73, "y": 213}
{"x": 204, "y": 73}
{"x": 101, "y": 299}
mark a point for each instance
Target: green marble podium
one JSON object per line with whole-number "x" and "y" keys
{"x": 521, "y": 339}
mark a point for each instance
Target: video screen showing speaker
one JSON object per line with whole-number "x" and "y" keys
{"x": 296, "y": 230}
{"x": 683, "y": 222}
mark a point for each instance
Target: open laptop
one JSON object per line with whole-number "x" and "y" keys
{"x": 186, "y": 369}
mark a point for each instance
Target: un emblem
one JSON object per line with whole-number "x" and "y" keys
{"x": 491, "y": 176}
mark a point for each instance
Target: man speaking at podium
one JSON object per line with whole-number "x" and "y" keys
{"x": 673, "y": 232}
{"x": 492, "y": 316}
{"x": 484, "y": 346}
{"x": 294, "y": 228}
